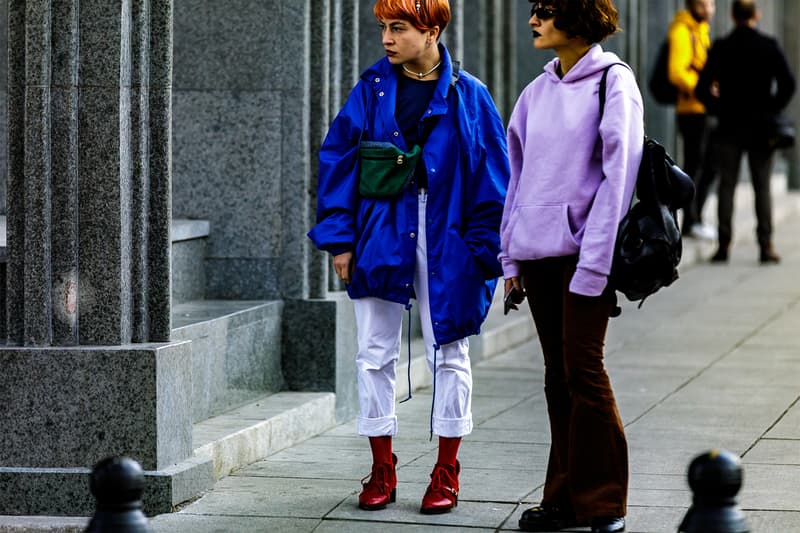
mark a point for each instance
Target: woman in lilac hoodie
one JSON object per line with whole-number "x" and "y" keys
{"x": 572, "y": 178}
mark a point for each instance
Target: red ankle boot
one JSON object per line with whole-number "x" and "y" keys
{"x": 442, "y": 493}
{"x": 381, "y": 489}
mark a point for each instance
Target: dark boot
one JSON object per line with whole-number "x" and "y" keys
{"x": 381, "y": 489}
{"x": 721, "y": 255}
{"x": 768, "y": 255}
{"x": 547, "y": 518}
{"x": 442, "y": 493}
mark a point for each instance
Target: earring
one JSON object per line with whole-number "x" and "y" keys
{"x": 417, "y": 8}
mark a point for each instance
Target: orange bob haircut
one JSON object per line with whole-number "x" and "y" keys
{"x": 431, "y": 12}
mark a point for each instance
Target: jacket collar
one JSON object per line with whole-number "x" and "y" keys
{"x": 382, "y": 76}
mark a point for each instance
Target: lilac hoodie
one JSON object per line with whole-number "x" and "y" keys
{"x": 572, "y": 177}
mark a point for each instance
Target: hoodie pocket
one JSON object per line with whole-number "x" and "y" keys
{"x": 541, "y": 231}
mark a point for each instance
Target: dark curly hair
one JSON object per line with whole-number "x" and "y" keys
{"x": 594, "y": 20}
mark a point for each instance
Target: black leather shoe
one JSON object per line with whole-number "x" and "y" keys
{"x": 768, "y": 255}
{"x": 721, "y": 256}
{"x": 608, "y": 524}
{"x": 546, "y": 518}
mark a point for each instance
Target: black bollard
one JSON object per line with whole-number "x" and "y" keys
{"x": 117, "y": 484}
{"x": 715, "y": 478}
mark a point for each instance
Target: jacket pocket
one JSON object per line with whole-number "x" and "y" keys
{"x": 538, "y": 231}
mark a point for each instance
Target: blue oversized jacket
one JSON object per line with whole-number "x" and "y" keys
{"x": 467, "y": 163}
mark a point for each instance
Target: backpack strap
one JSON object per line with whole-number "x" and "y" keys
{"x": 601, "y": 92}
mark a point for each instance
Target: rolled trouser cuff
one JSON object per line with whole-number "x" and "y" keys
{"x": 377, "y": 427}
{"x": 452, "y": 427}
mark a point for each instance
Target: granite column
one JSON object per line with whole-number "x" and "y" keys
{"x": 88, "y": 367}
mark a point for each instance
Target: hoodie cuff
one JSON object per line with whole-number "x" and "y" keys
{"x": 587, "y": 282}
{"x": 510, "y": 268}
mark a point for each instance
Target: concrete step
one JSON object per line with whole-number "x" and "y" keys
{"x": 251, "y": 432}
{"x": 236, "y": 352}
{"x": 188, "y": 259}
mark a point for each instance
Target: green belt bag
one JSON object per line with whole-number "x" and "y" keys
{"x": 385, "y": 169}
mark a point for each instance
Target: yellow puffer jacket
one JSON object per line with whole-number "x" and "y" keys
{"x": 689, "y": 42}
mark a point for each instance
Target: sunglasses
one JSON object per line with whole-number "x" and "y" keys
{"x": 542, "y": 13}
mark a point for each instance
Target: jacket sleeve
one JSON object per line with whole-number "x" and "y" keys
{"x": 681, "y": 54}
{"x": 337, "y": 189}
{"x": 784, "y": 79}
{"x": 488, "y": 186}
{"x": 707, "y": 78}
{"x": 622, "y": 134}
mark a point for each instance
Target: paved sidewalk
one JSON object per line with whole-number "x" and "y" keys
{"x": 713, "y": 361}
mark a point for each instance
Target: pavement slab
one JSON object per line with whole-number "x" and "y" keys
{"x": 712, "y": 361}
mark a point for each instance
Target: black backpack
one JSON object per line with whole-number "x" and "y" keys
{"x": 661, "y": 88}
{"x": 648, "y": 247}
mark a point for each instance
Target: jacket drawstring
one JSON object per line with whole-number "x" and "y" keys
{"x": 433, "y": 396}
{"x": 408, "y": 308}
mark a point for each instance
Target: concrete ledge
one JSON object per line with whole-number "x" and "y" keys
{"x": 185, "y": 229}
{"x": 235, "y": 352}
{"x": 65, "y": 491}
{"x": 42, "y": 524}
{"x": 66, "y": 407}
{"x": 254, "y": 431}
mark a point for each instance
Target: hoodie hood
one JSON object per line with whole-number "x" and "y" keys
{"x": 685, "y": 17}
{"x": 594, "y": 61}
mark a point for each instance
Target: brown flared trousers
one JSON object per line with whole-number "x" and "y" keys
{"x": 587, "y": 470}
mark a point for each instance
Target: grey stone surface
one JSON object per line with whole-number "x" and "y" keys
{"x": 66, "y": 492}
{"x": 303, "y": 273}
{"x": 159, "y": 238}
{"x": 64, "y": 214}
{"x": 3, "y": 142}
{"x": 105, "y": 42}
{"x": 182, "y": 522}
{"x": 244, "y": 436}
{"x": 235, "y": 352}
{"x": 273, "y": 497}
{"x": 324, "y": 360}
{"x": 104, "y": 182}
{"x": 681, "y": 403}
{"x": 242, "y": 279}
{"x": 188, "y": 270}
{"x": 68, "y": 407}
{"x": 244, "y": 159}
{"x": 224, "y": 45}
{"x": 112, "y": 225}
{"x": 186, "y": 229}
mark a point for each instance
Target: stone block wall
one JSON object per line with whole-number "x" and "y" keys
{"x": 3, "y": 104}
{"x": 228, "y": 101}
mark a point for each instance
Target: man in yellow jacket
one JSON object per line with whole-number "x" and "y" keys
{"x": 689, "y": 41}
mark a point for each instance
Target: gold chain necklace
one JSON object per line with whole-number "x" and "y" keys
{"x": 421, "y": 75}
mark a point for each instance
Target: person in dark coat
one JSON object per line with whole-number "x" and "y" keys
{"x": 751, "y": 76}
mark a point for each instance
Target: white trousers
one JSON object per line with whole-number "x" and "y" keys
{"x": 379, "y": 338}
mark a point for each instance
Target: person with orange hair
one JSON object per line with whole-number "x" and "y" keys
{"x": 429, "y": 231}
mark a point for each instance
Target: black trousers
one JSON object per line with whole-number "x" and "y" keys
{"x": 729, "y": 153}
{"x": 697, "y": 135}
